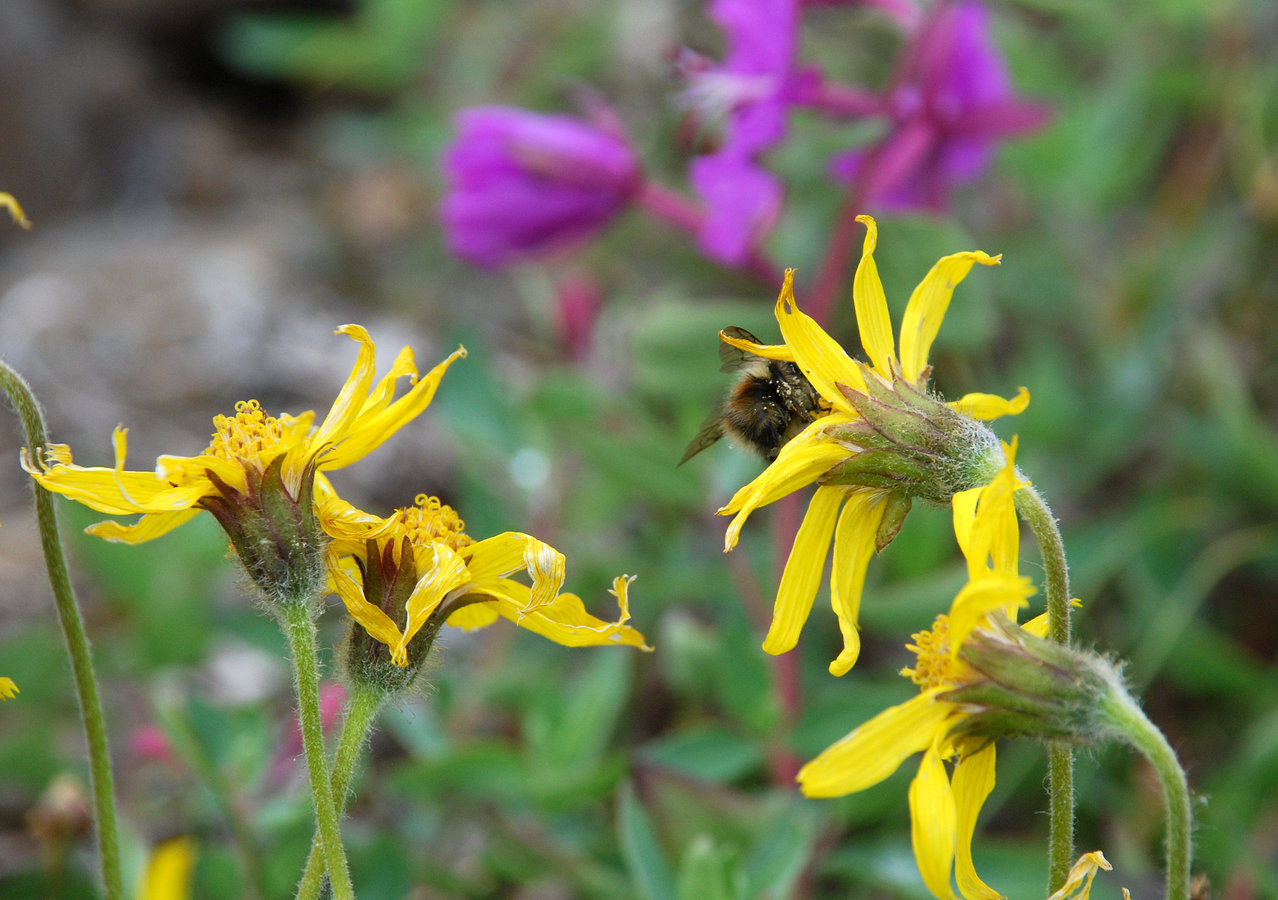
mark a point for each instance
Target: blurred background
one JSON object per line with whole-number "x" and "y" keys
{"x": 217, "y": 184}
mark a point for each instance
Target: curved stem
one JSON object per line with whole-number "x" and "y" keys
{"x": 357, "y": 724}
{"x": 1129, "y": 720}
{"x": 1060, "y": 757}
{"x": 300, "y": 629}
{"x": 77, "y": 641}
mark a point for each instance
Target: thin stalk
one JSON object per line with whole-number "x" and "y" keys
{"x": 77, "y": 640}
{"x": 300, "y": 629}
{"x": 357, "y": 724}
{"x": 189, "y": 749}
{"x": 1130, "y": 720}
{"x": 1060, "y": 757}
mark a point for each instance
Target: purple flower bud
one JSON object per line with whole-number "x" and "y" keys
{"x": 523, "y": 183}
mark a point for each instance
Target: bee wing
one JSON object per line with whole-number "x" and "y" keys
{"x": 734, "y": 358}
{"x": 710, "y": 432}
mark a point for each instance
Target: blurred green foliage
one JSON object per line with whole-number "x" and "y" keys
{"x": 1136, "y": 300}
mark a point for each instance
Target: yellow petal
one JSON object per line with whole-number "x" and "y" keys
{"x": 168, "y": 871}
{"x": 353, "y": 393}
{"x": 111, "y": 491}
{"x": 927, "y": 306}
{"x": 8, "y": 689}
{"x": 964, "y": 506}
{"x": 991, "y": 406}
{"x": 767, "y": 351}
{"x": 933, "y": 824}
{"x": 853, "y": 548}
{"x": 817, "y": 355}
{"x": 474, "y": 616}
{"x": 980, "y": 597}
{"x": 973, "y": 781}
{"x": 803, "y": 569}
{"x": 565, "y": 621}
{"x": 343, "y": 580}
{"x": 440, "y": 572}
{"x": 789, "y": 472}
{"x": 1037, "y": 626}
{"x": 1078, "y": 883}
{"x": 147, "y": 528}
{"x": 872, "y": 317}
{"x": 874, "y": 750}
{"x": 369, "y": 431}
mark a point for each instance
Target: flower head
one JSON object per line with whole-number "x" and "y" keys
{"x": 8, "y": 688}
{"x": 943, "y": 805}
{"x": 521, "y": 183}
{"x": 261, "y": 476}
{"x": 751, "y": 91}
{"x": 884, "y": 441}
{"x": 951, "y": 104}
{"x": 423, "y": 570}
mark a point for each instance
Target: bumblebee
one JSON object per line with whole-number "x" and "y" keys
{"x": 770, "y": 402}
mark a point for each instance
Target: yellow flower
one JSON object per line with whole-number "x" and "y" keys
{"x": 168, "y": 871}
{"x": 1078, "y": 884}
{"x": 245, "y": 449}
{"x": 8, "y": 689}
{"x": 422, "y": 569}
{"x": 943, "y": 805}
{"x": 9, "y": 202}
{"x": 862, "y": 497}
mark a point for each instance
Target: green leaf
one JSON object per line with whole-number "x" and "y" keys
{"x": 649, "y": 868}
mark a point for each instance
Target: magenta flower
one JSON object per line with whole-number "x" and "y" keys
{"x": 752, "y": 90}
{"x": 951, "y": 104}
{"x": 522, "y": 183}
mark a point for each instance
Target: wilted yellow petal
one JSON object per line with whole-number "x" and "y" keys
{"x": 803, "y": 569}
{"x": 1078, "y": 883}
{"x": 933, "y": 823}
{"x": 440, "y": 571}
{"x": 927, "y": 306}
{"x": 565, "y": 621}
{"x": 353, "y": 393}
{"x": 342, "y": 580}
{"x": 853, "y": 548}
{"x": 873, "y": 751}
{"x": 972, "y": 783}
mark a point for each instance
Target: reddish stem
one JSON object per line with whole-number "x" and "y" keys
{"x": 673, "y": 208}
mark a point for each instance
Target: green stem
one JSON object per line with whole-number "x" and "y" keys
{"x": 1060, "y": 758}
{"x": 1130, "y": 721}
{"x": 300, "y": 628}
{"x": 357, "y": 723}
{"x": 191, "y": 751}
{"x": 77, "y": 640}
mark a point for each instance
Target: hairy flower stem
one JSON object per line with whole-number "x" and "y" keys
{"x": 1060, "y": 758}
{"x": 86, "y": 683}
{"x": 300, "y": 630}
{"x": 1128, "y": 719}
{"x": 357, "y": 724}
